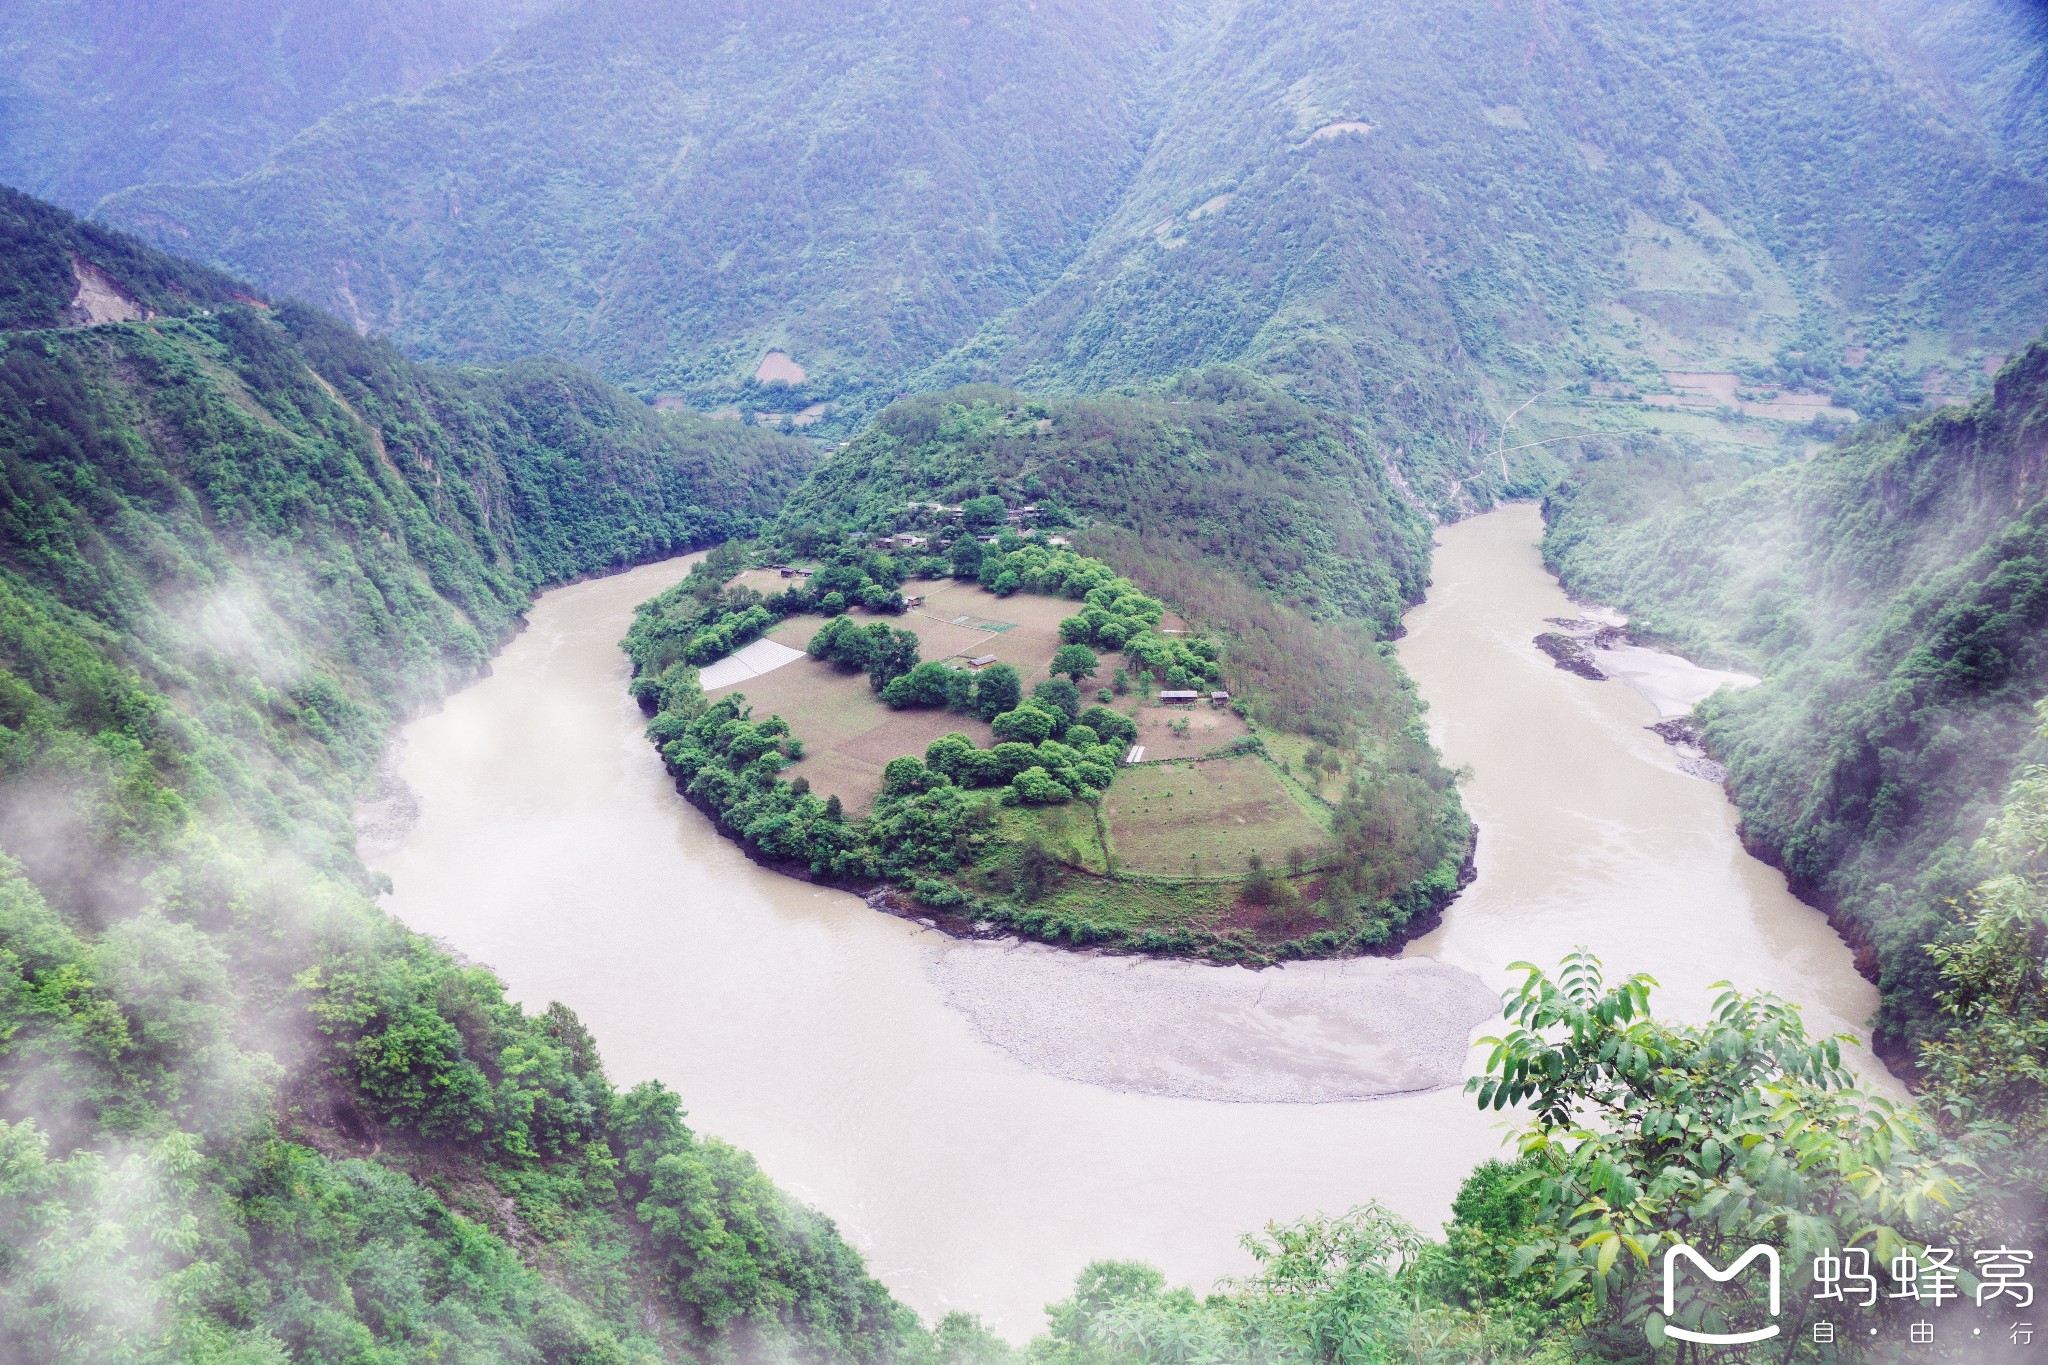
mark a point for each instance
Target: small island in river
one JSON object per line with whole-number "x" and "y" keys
{"x": 989, "y": 731}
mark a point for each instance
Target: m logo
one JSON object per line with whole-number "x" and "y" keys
{"x": 1770, "y": 1256}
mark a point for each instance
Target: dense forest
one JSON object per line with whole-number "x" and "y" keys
{"x": 243, "y": 1114}
{"x": 1217, "y": 465}
{"x": 1890, "y": 591}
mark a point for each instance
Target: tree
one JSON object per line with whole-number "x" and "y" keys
{"x": 1057, "y": 694}
{"x": 928, "y": 684}
{"x": 846, "y": 646}
{"x": 890, "y": 653}
{"x": 1989, "y": 1069}
{"x": 997, "y": 689}
{"x": 906, "y": 774}
{"x": 966, "y": 557}
{"x": 982, "y": 514}
{"x": 1025, "y": 725}
{"x": 1076, "y": 661}
{"x": 951, "y": 755}
{"x": 1738, "y": 1131}
{"x": 1114, "y": 727}
{"x": 1257, "y": 887}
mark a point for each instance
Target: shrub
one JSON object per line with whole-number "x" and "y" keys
{"x": 937, "y": 894}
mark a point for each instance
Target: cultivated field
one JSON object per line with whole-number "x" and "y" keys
{"x": 1204, "y": 819}
{"x": 848, "y": 735}
{"x": 1209, "y": 728}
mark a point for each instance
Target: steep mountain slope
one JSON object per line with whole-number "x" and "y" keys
{"x": 63, "y": 272}
{"x": 1995, "y": 52}
{"x": 237, "y": 544}
{"x": 1388, "y": 206}
{"x": 1423, "y": 214}
{"x": 1894, "y": 593}
{"x": 671, "y": 191}
{"x": 97, "y": 95}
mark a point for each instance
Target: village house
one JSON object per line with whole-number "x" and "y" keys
{"x": 1177, "y": 697}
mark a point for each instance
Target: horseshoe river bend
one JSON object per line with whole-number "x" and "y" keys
{"x": 984, "y": 1118}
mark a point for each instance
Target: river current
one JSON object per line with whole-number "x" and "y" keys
{"x": 979, "y": 1162}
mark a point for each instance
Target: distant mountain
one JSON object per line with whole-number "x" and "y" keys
{"x": 97, "y": 95}
{"x": 1371, "y": 201}
{"x": 671, "y": 190}
{"x": 1421, "y": 213}
{"x": 1893, "y": 592}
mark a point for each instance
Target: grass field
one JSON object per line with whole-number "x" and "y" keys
{"x": 1204, "y": 819}
{"x": 1072, "y": 833}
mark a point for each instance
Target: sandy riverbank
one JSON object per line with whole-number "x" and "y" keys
{"x": 1308, "y": 1033}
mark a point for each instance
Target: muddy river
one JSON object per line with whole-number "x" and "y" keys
{"x": 983, "y": 1119}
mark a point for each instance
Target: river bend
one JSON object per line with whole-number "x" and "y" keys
{"x": 973, "y": 1171}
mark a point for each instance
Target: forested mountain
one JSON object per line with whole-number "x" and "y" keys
{"x": 1256, "y": 290}
{"x": 1893, "y": 591}
{"x": 669, "y": 190}
{"x": 97, "y": 95}
{"x": 1217, "y": 466}
{"x": 1995, "y": 53}
{"x": 243, "y": 1114}
{"x": 1417, "y": 213}
{"x": 1356, "y": 196}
